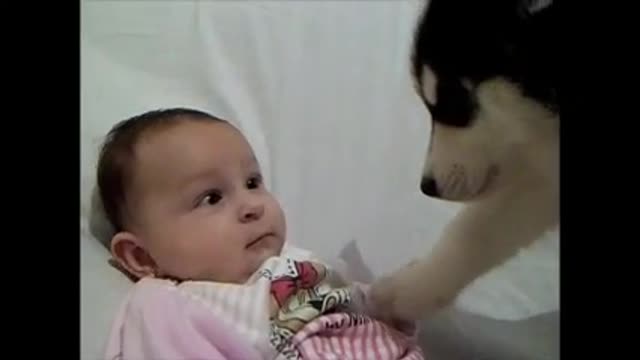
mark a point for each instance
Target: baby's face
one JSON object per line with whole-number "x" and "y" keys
{"x": 202, "y": 210}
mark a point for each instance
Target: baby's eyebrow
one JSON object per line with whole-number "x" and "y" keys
{"x": 213, "y": 173}
{"x": 199, "y": 176}
{"x": 251, "y": 161}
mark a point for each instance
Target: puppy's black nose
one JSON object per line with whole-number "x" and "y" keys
{"x": 429, "y": 187}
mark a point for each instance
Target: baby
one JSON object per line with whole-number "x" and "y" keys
{"x": 204, "y": 241}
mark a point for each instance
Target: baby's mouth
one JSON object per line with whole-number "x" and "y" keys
{"x": 258, "y": 239}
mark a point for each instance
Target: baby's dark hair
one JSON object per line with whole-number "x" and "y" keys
{"x": 116, "y": 158}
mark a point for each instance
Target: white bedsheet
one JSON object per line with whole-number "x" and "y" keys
{"x": 322, "y": 91}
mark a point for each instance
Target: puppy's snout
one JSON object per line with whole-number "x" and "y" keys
{"x": 429, "y": 187}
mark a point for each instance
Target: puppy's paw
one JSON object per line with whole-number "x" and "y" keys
{"x": 405, "y": 296}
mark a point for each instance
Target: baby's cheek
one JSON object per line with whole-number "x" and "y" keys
{"x": 228, "y": 265}
{"x": 277, "y": 248}
{"x": 279, "y": 221}
{"x": 193, "y": 262}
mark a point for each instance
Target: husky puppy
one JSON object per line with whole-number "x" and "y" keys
{"x": 486, "y": 72}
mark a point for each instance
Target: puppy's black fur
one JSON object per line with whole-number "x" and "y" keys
{"x": 480, "y": 40}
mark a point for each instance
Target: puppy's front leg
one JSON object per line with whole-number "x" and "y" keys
{"x": 480, "y": 237}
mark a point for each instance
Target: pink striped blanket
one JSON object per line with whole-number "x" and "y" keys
{"x": 289, "y": 310}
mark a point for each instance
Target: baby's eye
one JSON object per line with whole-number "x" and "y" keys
{"x": 254, "y": 182}
{"x": 210, "y": 198}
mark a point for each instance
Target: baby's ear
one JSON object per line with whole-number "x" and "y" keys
{"x": 130, "y": 257}
{"x": 116, "y": 265}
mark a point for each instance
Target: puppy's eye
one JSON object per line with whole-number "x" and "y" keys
{"x": 209, "y": 198}
{"x": 456, "y": 104}
{"x": 254, "y": 182}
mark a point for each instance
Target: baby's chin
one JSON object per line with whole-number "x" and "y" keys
{"x": 266, "y": 248}
{"x": 263, "y": 255}
{"x": 258, "y": 255}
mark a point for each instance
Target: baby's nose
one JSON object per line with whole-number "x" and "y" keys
{"x": 251, "y": 212}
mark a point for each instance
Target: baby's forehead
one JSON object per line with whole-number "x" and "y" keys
{"x": 188, "y": 149}
{"x": 195, "y": 138}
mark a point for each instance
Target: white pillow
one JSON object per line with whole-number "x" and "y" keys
{"x": 102, "y": 289}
